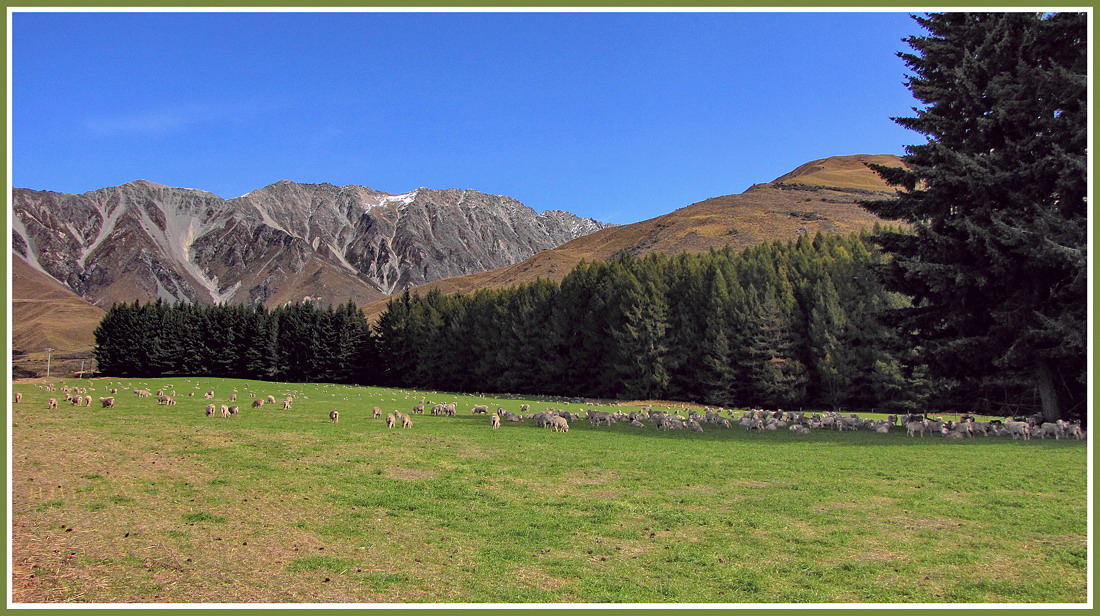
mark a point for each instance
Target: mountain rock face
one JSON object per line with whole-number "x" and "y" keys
{"x": 284, "y": 242}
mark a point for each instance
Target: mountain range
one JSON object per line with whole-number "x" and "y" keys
{"x": 75, "y": 255}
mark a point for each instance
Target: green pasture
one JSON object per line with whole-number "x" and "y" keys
{"x": 149, "y": 503}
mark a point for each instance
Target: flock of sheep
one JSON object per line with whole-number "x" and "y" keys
{"x": 558, "y": 420}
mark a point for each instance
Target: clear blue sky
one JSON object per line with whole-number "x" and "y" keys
{"x": 615, "y": 116}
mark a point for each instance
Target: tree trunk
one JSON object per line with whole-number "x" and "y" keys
{"x": 1049, "y": 393}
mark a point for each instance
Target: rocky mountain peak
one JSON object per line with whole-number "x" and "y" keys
{"x": 144, "y": 240}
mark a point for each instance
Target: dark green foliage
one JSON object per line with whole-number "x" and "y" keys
{"x": 779, "y": 325}
{"x": 996, "y": 262}
{"x": 298, "y": 342}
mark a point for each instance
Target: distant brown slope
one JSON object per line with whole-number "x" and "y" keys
{"x": 47, "y": 315}
{"x": 820, "y": 196}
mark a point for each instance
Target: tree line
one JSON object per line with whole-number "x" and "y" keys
{"x": 777, "y": 325}
{"x": 296, "y": 342}
{"x": 808, "y": 323}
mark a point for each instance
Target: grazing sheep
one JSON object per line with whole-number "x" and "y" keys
{"x": 637, "y": 424}
{"x": 271, "y": 399}
{"x": 18, "y": 397}
{"x": 225, "y": 411}
{"x": 494, "y": 420}
{"x": 418, "y": 409}
{"x": 377, "y": 412}
{"x": 210, "y": 410}
{"x": 480, "y": 409}
{"x": 286, "y": 404}
{"x": 949, "y": 432}
{"x": 77, "y": 400}
{"x": 87, "y": 400}
{"x": 914, "y": 427}
{"x": 799, "y": 429}
{"x": 1018, "y": 429}
{"x": 524, "y": 408}
{"x": 390, "y": 420}
{"x": 406, "y": 421}
{"x": 334, "y": 415}
{"x": 257, "y": 403}
{"x": 52, "y": 403}
{"x": 107, "y": 402}
{"x": 234, "y": 410}
{"x": 559, "y": 424}
{"x": 208, "y": 395}
{"x": 232, "y": 397}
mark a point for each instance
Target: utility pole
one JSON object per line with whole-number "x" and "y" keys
{"x": 48, "y": 355}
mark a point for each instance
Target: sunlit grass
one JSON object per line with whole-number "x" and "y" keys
{"x": 147, "y": 503}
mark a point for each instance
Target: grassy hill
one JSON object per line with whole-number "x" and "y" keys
{"x": 820, "y": 196}
{"x": 47, "y": 315}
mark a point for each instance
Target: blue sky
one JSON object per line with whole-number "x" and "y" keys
{"x": 615, "y": 116}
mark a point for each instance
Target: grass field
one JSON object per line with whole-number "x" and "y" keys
{"x": 147, "y": 503}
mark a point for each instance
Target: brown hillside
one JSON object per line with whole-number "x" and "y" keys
{"x": 820, "y": 196}
{"x": 46, "y": 314}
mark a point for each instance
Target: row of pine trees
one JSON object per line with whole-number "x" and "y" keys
{"x": 800, "y": 324}
{"x": 295, "y": 342}
{"x": 778, "y": 325}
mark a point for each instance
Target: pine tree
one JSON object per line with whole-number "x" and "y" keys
{"x": 996, "y": 262}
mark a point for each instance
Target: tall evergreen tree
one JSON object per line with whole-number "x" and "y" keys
{"x": 996, "y": 262}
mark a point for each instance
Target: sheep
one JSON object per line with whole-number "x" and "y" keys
{"x": 77, "y": 400}
{"x": 559, "y": 424}
{"x": 437, "y": 409}
{"x": 258, "y": 403}
{"x": 418, "y": 409}
{"x": 234, "y": 410}
{"x": 524, "y": 408}
{"x": 1018, "y": 429}
{"x": 916, "y": 426}
{"x": 87, "y": 400}
{"x": 271, "y": 399}
{"x": 18, "y": 397}
{"x": 225, "y": 411}
{"x": 390, "y": 420}
{"x": 1050, "y": 429}
{"x": 637, "y": 424}
{"x": 208, "y": 395}
{"x": 449, "y": 409}
{"x": 286, "y": 404}
{"x": 480, "y": 409}
{"x": 799, "y": 429}
{"x": 334, "y": 415}
{"x": 210, "y": 410}
{"x": 494, "y": 420}
{"x": 406, "y": 421}
{"x": 232, "y": 397}
{"x": 377, "y": 412}
{"x": 52, "y": 403}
